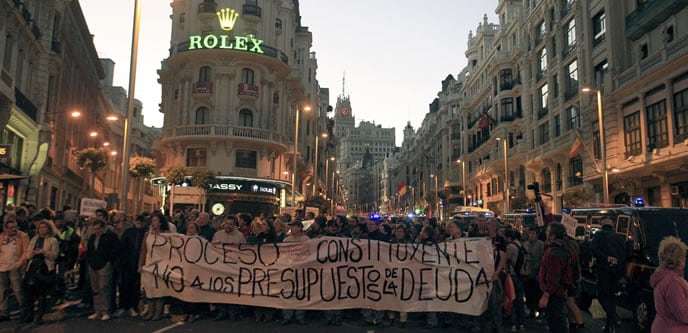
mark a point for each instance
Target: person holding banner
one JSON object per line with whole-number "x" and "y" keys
{"x": 296, "y": 235}
{"x": 158, "y": 225}
{"x": 399, "y": 236}
{"x": 228, "y": 235}
{"x": 427, "y": 237}
{"x": 492, "y": 318}
{"x": 261, "y": 233}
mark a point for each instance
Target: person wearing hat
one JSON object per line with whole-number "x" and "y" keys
{"x": 296, "y": 234}
{"x": 609, "y": 249}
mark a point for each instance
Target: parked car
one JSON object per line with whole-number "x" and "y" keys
{"x": 642, "y": 228}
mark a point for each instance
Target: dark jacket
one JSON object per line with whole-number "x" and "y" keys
{"x": 556, "y": 270}
{"x": 130, "y": 244}
{"x": 608, "y": 243}
{"x": 107, "y": 250}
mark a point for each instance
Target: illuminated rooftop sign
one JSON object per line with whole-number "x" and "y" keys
{"x": 227, "y": 18}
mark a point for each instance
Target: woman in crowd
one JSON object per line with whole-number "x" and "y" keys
{"x": 670, "y": 288}
{"x": 192, "y": 311}
{"x": 156, "y": 306}
{"x": 399, "y": 236}
{"x": 40, "y": 276}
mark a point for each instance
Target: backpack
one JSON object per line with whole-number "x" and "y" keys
{"x": 521, "y": 266}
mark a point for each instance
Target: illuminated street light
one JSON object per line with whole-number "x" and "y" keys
{"x": 296, "y": 151}
{"x": 130, "y": 105}
{"x": 603, "y": 143}
{"x": 463, "y": 179}
{"x": 506, "y": 175}
{"x": 315, "y": 162}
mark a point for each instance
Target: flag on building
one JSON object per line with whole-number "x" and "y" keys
{"x": 576, "y": 147}
{"x": 401, "y": 189}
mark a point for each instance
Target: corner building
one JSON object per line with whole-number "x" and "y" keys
{"x": 237, "y": 75}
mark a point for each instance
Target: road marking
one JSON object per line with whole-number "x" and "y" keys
{"x": 165, "y": 329}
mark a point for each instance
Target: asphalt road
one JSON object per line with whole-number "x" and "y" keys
{"x": 70, "y": 318}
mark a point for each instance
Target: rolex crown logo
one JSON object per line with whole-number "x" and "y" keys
{"x": 227, "y": 17}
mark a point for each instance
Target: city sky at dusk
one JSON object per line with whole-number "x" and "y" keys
{"x": 394, "y": 53}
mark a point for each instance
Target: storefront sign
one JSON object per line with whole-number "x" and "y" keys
{"x": 227, "y": 17}
{"x": 5, "y": 151}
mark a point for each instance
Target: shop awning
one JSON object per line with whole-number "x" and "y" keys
{"x": 7, "y": 176}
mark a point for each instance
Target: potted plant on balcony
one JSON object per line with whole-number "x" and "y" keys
{"x": 576, "y": 199}
{"x": 140, "y": 168}
{"x": 93, "y": 160}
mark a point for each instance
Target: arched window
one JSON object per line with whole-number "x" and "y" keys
{"x": 204, "y": 74}
{"x": 202, "y": 116}
{"x": 245, "y": 118}
{"x": 247, "y": 76}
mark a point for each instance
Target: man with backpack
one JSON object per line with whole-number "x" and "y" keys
{"x": 516, "y": 257}
{"x": 556, "y": 278}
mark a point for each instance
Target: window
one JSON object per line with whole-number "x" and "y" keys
{"x": 252, "y": 2}
{"x": 575, "y": 171}
{"x": 657, "y": 132}
{"x": 574, "y": 118}
{"x": 546, "y": 180}
{"x": 246, "y": 159}
{"x": 544, "y": 96}
{"x": 542, "y": 61}
{"x": 247, "y": 76}
{"x": 570, "y": 38}
{"x": 507, "y": 108}
{"x": 644, "y": 50}
{"x": 196, "y": 157}
{"x": 9, "y": 48}
{"x": 599, "y": 28}
{"x": 202, "y": 116}
{"x": 558, "y": 177}
{"x": 557, "y": 126}
{"x": 669, "y": 34}
{"x": 506, "y": 79}
{"x": 544, "y": 133}
{"x": 540, "y": 32}
{"x": 681, "y": 113}
{"x": 245, "y": 118}
{"x": 600, "y": 73}
{"x": 632, "y": 139}
{"x": 204, "y": 74}
{"x": 572, "y": 80}
{"x": 182, "y": 17}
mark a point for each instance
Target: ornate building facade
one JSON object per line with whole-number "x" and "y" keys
{"x": 524, "y": 86}
{"x": 239, "y": 76}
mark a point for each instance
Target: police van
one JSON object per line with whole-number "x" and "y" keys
{"x": 643, "y": 228}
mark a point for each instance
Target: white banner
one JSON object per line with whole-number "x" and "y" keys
{"x": 323, "y": 274}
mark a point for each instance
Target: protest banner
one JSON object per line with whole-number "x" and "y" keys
{"x": 325, "y": 273}
{"x": 570, "y": 223}
{"x": 89, "y": 206}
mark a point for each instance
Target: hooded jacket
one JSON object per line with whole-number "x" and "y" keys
{"x": 671, "y": 301}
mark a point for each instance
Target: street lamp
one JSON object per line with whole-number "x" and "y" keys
{"x": 506, "y": 174}
{"x": 315, "y": 162}
{"x": 130, "y": 105}
{"x": 603, "y": 143}
{"x": 463, "y": 180}
{"x": 437, "y": 202}
{"x": 296, "y": 151}
{"x": 327, "y": 176}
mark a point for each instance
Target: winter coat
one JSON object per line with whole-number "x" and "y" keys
{"x": 671, "y": 301}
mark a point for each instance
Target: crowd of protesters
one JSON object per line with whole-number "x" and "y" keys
{"x": 536, "y": 275}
